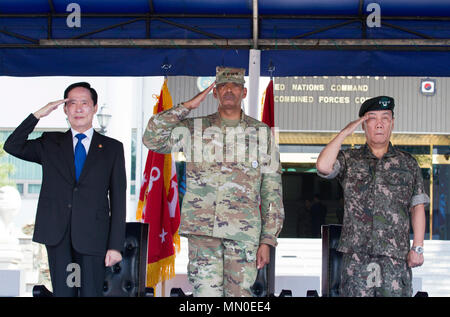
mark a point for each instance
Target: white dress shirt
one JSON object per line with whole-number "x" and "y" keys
{"x": 86, "y": 141}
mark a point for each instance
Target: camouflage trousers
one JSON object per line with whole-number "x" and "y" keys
{"x": 374, "y": 276}
{"x": 221, "y": 267}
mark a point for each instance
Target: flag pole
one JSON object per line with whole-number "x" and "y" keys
{"x": 271, "y": 69}
{"x": 166, "y": 67}
{"x": 163, "y": 288}
{"x": 165, "y": 213}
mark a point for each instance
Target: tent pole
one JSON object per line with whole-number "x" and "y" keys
{"x": 254, "y": 68}
{"x": 255, "y": 24}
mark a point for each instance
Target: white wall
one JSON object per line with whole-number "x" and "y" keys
{"x": 21, "y": 96}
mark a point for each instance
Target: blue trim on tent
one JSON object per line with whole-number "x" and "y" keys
{"x": 202, "y": 62}
{"x": 354, "y": 63}
{"x": 286, "y": 7}
{"x": 117, "y": 61}
{"x": 18, "y": 32}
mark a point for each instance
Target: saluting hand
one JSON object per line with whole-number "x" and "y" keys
{"x": 46, "y": 110}
{"x": 351, "y": 127}
{"x": 327, "y": 157}
{"x": 195, "y": 102}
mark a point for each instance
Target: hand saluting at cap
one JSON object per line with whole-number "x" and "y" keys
{"x": 47, "y": 109}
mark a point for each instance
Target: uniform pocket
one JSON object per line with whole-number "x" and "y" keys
{"x": 399, "y": 179}
{"x": 406, "y": 283}
{"x": 192, "y": 267}
{"x": 192, "y": 252}
{"x": 358, "y": 180}
{"x": 400, "y": 184}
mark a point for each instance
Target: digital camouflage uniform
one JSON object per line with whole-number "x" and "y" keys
{"x": 223, "y": 195}
{"x": 378, "y": 195}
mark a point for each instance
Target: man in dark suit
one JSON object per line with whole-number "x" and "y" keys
{"x": 81, "y": 209}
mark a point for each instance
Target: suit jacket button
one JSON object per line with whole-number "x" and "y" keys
{"x": 69, "y": 205}
{"x": 75, "y": 189}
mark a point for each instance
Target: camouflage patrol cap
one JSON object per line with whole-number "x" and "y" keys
{"x": 377, "y": 103}
{"x": 229, "y": 75}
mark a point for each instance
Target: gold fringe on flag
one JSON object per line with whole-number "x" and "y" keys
{"x": 261, "y": 110}
{"x": 164, "y": 269}
{"x": 167, "y": 172}
{"x": 160, "y": 271}
{"x": 140, "y": 208}
{"x": 177, "y": 242}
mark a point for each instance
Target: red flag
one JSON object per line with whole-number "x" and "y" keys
{"x": 268, "y": 108}
{"x": 158, "y": 205}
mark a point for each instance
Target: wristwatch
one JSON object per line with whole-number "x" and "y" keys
{"x": 417, "y": 249}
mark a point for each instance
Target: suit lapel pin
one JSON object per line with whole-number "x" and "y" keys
{"x": 100, "y": 146}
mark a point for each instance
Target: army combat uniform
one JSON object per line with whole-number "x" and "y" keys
{"x": 221, "y": 213}
{"x": 378, "y": 194}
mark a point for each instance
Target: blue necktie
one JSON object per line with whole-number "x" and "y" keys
{"x": 80, "y": 155}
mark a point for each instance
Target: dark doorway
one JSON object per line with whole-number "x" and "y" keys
{"x": 309, "y": 201}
